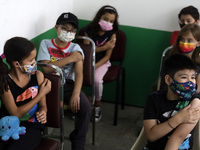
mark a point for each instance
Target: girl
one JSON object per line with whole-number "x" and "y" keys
{"x": 102, "y": 30}
{"x": 188, "y": 43}
{"x": 23, "y": 91}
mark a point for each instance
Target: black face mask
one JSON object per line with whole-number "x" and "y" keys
{"x": 182, "y": 25}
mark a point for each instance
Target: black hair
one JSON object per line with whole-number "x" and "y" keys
{"x": 15, "y": 49}
{"x": 94, "y": 26}
{"x": 177, "y": 62}
{"x": 190, "y": 10}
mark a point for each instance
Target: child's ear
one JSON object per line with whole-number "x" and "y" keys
{"x": 56, "y": 27}
{"x": 168, "y": 80}
{"x": 198, "y": 44}
{"x": 197, "y": 22}
{"x": 15, "y": 64}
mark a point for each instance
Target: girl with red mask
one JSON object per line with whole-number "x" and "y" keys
{"x": 102, "y": 30}
{"x": 188, "y": 44}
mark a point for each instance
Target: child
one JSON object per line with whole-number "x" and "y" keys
{"x": 187, "y": 15}
{"x": 69, "y": 56}
{"x": 23, "y": 91}
{"x": 102, "y": 30}
{"x": 171, "y": 115}
{"x": 188, "y": 43}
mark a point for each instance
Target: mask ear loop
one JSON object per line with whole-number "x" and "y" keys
{"x": 20, "y": 66}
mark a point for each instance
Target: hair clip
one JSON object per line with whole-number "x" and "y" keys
{"x": 109, "y": 8}
{"x": 3, "y": 56}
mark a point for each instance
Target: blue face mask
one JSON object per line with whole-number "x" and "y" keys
{"x": 183, "y": 90}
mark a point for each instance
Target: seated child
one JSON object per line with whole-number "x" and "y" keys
{"x": 187, "y": 15}
{"x": 171, "y": 115}
{"x": 67, "y": 55}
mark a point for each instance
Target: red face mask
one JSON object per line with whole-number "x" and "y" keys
{"x": 186, "y": 47}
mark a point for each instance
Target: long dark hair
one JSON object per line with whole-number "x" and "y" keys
{"x": 195, "y": 30}
{"x": 94, "y": 24}
{"x": 15, "y": 49}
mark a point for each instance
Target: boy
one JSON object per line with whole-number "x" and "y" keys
{"x": 69, "y": 56}
{"x": 171, "y": 115}
{"x": 187, "y": 15}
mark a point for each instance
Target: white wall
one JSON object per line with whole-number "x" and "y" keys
{"x": 33, "y": 17}
{"x": 29, "y": 18}
{"x": 152, "y": 14}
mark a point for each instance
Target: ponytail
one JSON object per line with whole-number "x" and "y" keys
{"x": 4, "y": 78}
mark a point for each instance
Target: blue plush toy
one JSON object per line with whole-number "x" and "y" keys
{"x": 9, "y": 127}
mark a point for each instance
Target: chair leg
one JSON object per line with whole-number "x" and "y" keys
{"x": 93, "y": 126}
{"x": 117, "y": 101}
{"x": 123, "y": 89}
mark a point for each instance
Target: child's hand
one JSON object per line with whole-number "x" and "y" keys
{"x": 41, "y": 117}
{"x": 45, "y": 87}
{"x": 76, "y": 56}
{"x": 74, "y": 103}
{"x": 190, "y": 115}
{"x": 110, "y": 44}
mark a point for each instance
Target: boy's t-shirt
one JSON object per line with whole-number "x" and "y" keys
{"x": 50, "y": 51}
{"x": 158, "y": 107}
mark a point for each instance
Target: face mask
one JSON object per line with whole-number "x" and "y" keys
{"x": 29, "y": 69}
{"x": 182, "y": 25}
{"x": 183, "y": 90}
{"x": 186, "y": 47}
{"x": 105, "y": 26}
{"x": 66, "y": 36}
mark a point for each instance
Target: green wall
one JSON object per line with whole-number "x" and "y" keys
{"x": 142, "y": 60}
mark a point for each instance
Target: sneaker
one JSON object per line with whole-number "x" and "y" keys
{"x": 98, "y": 114}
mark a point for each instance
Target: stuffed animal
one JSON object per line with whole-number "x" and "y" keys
{"x": 9, "y": 127}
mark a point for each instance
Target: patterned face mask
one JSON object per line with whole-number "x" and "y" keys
{"x": 66, "y": 36}
{"x": 183, "y": 90}
{"x": 186, "y": 47}
{"x": 29, "y": 69}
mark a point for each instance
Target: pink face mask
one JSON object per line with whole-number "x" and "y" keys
{"x": 105, "y": 26}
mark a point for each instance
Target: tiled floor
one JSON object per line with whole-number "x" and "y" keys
{"x": 109, "y": 137}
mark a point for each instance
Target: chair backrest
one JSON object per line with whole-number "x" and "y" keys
{"x": 53, "y": 102}
{"x": 87, "y": 65}
{"x": 161, "y": 83}
{"x": 120, "y": 47}
{"x": 140, "y": 142}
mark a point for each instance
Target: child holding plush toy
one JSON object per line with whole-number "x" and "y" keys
{"x": 22, "y": 91}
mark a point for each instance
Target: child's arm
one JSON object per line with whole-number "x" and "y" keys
{"x": 182, "y": 130}
{"x": 11, "y": 107}
{"x": 75, "y": 98}
{"x": 107, "y": 46}
{"x": 42, "y": 113}
{"x": 107, "y": 55}
{"x": 74, "y": 57}
{"x": 156, "y": 131}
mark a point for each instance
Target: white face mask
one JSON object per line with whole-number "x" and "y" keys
{"x": 66, "y": 36}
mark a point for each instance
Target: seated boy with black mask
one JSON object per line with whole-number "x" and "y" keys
{"x": 171, "y": 115}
